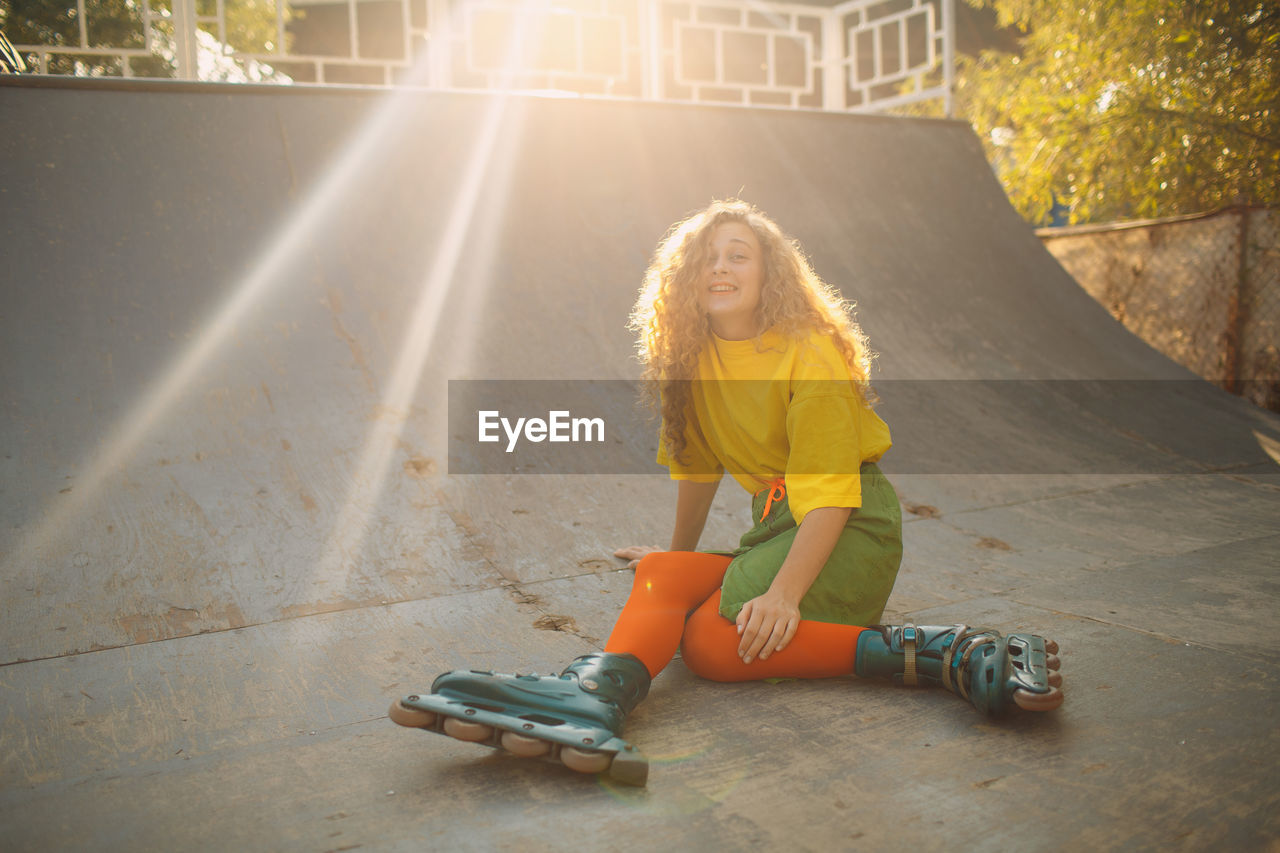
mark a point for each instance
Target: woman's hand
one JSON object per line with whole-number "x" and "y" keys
{"x": 766, "y": 624}
{"x": 633, "y": 553}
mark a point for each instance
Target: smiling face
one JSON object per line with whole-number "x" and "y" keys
{"x": 729, "y": 289}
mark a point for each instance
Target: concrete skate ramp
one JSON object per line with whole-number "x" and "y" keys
{"x": 229, "y": 535}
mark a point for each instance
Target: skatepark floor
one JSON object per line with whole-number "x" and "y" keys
{"x": 231, "y": 536}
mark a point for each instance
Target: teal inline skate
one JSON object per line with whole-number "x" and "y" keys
{"x": 982, "y": 666}
{"x": 573, "y": 719}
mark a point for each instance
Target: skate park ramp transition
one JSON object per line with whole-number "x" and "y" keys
{"x": 238, "y": 518}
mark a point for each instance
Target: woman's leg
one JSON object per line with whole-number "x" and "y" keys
{"x": 818, "y": 650}
{"x": 991, "y": 671}
{"x": 668, "y": 584}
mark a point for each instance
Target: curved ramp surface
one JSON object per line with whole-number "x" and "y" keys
{"x": 229, "y": 536}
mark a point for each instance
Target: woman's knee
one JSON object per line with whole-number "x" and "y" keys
{"x": 679, "y": 570}
{"x": 655, "y": 571}
{"x": 655, "y": 563}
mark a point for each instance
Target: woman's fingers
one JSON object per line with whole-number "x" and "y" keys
{"x": 793, "y": 625}
{"x": 783, "y": 632}
{"x": 772, "y": 638}
{"x": 748, "y": 626}
{"x": 758, "y": 642}
{"x": 634, "y": 553}
{"x": 764, "y": 630}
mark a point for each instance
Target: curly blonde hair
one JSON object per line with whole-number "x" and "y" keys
{"x": 672, "y": 329}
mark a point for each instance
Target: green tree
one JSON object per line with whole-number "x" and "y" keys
{"x": 1130, "y": 109}
{"x": 108, "y": 23}
{"x": 250, "y": 27}
{"x": 251, "y": 24}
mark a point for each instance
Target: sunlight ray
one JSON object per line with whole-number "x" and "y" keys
{"x": 352, "y": 523}
{"x": 262, "y": 278}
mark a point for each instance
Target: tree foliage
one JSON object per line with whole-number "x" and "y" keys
{"x": 1122, "y": 109}
{"x": 108, "y": 23}
{"x": 250, "y": 26}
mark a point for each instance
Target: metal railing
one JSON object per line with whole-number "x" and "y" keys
{"x": 861, "y": 55}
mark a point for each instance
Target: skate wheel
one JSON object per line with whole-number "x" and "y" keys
{"x": 1029, "y": 701}
{"x": 1051, "y": 647}
{"x": 467, "y": 730}
{"x": 1055, "y": 679}
{"x": 414, "y": 718}
{"x": 524, "y": 746}
{"x": 585, "y": 760}
{"x": 1053, "y": 662}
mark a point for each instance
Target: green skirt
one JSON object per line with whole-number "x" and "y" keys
{"x": 856, "y": 581}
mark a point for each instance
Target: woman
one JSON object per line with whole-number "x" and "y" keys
{"x": 759, "y": 371}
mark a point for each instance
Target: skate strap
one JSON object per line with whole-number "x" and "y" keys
{"x": 777, "y": 491}
{"x": 980, "y": 639}
{"x": 909, "y": 652}
{"x": 948, "y": 654}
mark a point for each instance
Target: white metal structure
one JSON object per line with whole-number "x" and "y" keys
{"x": 860, "y": 55}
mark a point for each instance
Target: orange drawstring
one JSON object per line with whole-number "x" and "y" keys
{"x": 777, "y": 491}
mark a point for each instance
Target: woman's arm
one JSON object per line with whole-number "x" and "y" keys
{"x": 768, "y": 622}
{"x": 693, "y": 502}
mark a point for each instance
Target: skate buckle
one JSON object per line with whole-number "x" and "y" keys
{"x": 909, "y": 649}
{"x": 948, "y": 654}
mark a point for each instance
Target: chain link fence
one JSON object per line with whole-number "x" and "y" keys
{"x": 1204, "y": 290}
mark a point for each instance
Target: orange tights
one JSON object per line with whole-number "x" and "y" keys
{"x": 676, "y": 596}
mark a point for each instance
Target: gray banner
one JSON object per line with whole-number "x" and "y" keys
{"x": 938, "y": 427}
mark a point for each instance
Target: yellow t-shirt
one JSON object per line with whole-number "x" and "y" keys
{"x": 788, "y": 409}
